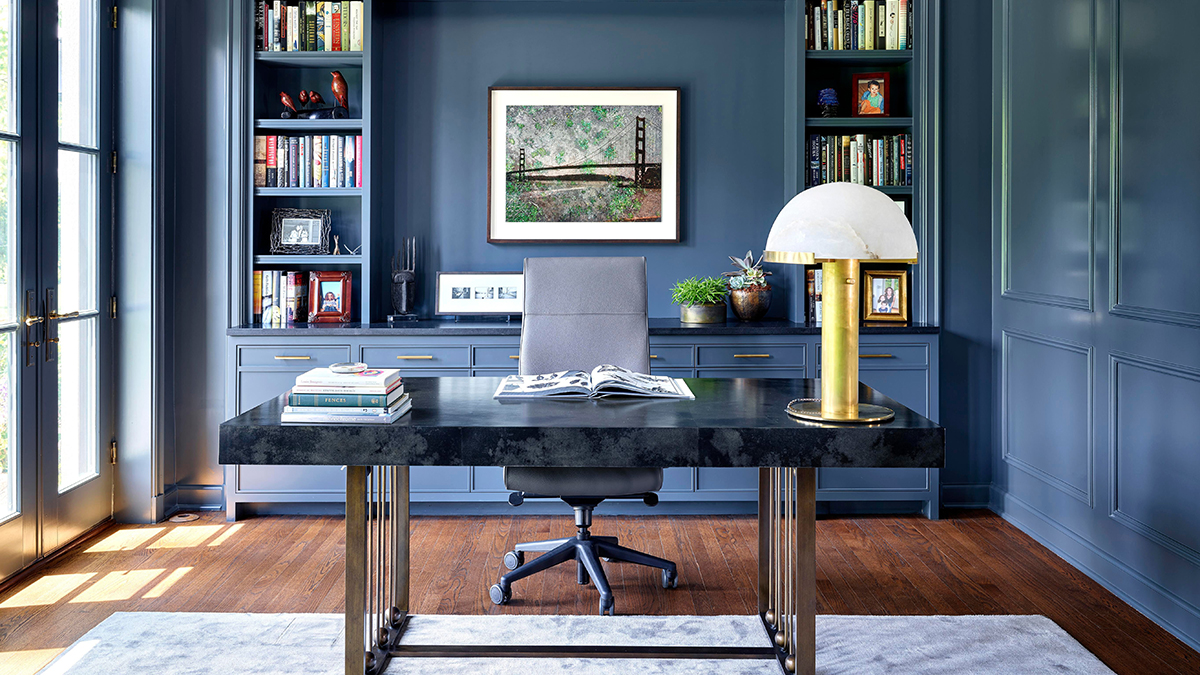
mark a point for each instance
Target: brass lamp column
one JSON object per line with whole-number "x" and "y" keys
{"x": 838, "y": 225}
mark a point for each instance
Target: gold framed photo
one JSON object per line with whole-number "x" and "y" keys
{"x": 885, "y": 295}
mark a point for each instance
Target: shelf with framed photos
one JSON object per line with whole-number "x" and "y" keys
{"x": 890, "y": 95}
{"x": 275, "y": 107}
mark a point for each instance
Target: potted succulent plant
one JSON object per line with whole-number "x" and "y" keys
{"x": 748, "y": 288}
{"x": 700, "y": 300}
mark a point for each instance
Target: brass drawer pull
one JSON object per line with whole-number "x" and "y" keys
{"x": 423, "y": 357}
{"x": 876, "y": 356}
{"x": 513, "y": 356}
{"x": 654, "y": 356}
{"x": 751, "y": 356}
{"x": 293, "y": 358}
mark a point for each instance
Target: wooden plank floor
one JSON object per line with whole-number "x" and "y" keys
{"x": 969, "y": 563}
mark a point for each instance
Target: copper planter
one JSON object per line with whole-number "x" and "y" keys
{"x": 750, "y": 304}
{"x": 714, "y": 313}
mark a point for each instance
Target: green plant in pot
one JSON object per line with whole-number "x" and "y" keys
{"x": 700, "y": 300}
{"x": 748, "y": 288}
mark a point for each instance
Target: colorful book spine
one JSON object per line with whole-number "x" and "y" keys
{"x": 281, "y": 161}
{"x": 339, "y": 400}
{"x": 316, "y": 159}
{"x": 335, "y": 14}
{"x": 256, "y": 299}
{"x": 322, "y": 24}
{"x": 345, "y": 44}
{"x": 325, "y": 162}
{"x": 358, "y": 161}
{"x": 260, "y": 11}
{"x": 338, "y": 169}
{"x": 310, "y": 25}
{"x": 260, "y": 161}
{"x": 272, "y": 169}
{"x": 902, "y": 26}
{"x": 276, "y": 26}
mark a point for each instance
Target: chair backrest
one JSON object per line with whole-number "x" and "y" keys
{"x": 584, "y": 312}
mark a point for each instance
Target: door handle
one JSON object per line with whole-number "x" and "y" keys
{"x": 55, "y": 316}
{"x": 33, "y": 320}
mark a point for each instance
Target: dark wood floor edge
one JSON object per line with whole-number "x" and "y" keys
{"x": 1150, "y": 585}
{"x": 40, "y": 564}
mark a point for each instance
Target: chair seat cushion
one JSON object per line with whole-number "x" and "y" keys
{"x": 582, "y": 482}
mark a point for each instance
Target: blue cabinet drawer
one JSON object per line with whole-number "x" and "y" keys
{"x": 910, "y": 387}
{"x": 670, "y": 372}
{"x": 873, "y": 480}
{"x": 885, "y": 355}
{"x": 294, "y": 357}
{"x": 677, "y": 479}
{"x": 487, "y": 479}
{"x": 750, "y": 355}
{"x": 417, "y": 357}
{"x": 670, "y": 357}
{"x": 255, "y": 387}
{"x": 712, "y": 479}
{"x": 791, "y": 373}
{"x": 291, "y": 479}
{"x": 439, "y": 479}
{"x": 496, "y": 357}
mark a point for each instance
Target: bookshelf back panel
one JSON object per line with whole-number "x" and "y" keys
{"x": 270, "y": 79}
{"x": 345, "y": 219}
{"x": 822, "y": 74}
{"x": 355, "y": 271}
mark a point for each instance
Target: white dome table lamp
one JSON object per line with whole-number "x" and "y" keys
{"x": 839, "y": 225}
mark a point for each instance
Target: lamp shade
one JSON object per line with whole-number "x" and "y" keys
{"x": 839, "y": 221}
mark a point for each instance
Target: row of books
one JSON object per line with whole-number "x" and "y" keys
{"x": 371, "y": 396}
{"x": 812, "y": 295}
{"x": 308, "y": 161}
{"x": 859, "y": 24}
{"x": 308, "y": 26}
{"x": 862, "y": 159}
{"x": 280, "y": 298}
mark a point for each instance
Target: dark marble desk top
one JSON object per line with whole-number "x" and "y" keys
{"x": 428, "y": 328}
{"x": 456, "y": 422}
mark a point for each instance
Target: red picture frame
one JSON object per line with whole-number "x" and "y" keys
{"x": 860, "y": 84}
{"x": 329, "y": 297}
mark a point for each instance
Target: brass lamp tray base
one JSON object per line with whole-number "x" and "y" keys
{"x": 810, "y": 410}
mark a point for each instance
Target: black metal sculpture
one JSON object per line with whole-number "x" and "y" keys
{"x": 311, "y": 103}
{"x": 404, "y": 281}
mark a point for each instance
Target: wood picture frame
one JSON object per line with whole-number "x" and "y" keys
{"x": 611, "y": 155}
{"x": 480, "y": 293}
{"x": 885, "y": 295}
{"x": 864, "y": 102}
{"x": 300, "y": 231}
{"x": 329, "y": 299}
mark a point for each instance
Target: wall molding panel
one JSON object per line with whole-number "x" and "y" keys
{"x": 1084, "y": 494}
{"x": 1166, "y": 369}
{"x": 1008, "y": 291}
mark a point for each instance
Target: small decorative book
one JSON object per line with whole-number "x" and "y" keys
{"x": 603, "y": 381}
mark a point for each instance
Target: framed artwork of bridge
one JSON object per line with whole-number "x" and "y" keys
{"x": 583, "y": 165}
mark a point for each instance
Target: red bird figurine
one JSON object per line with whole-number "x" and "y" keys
{"x": 287, "y": 100}
{"x": 303, "y": 97}
{"x": 315, "y": 98}
{"x": 339, "y": 89}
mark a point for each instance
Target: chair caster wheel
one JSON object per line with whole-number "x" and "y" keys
{"x": 500, "y": 595}
{"x": 607, "y": 607}
{"x": 514, "y": 559}
{"x": 670, "y": 578}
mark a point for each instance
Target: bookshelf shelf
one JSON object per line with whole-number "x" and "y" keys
{"x": 861, "y": 55}
{"x": 307, "y": 192}
{"x": 308, "y": 125}
{"x": 860, "y": 122}
{"x": 310, "y": 59}
{"x": 307, "y": 260}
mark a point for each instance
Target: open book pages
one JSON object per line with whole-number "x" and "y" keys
{"x": 602, "y": 381}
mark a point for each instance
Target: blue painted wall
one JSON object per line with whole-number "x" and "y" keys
{"x": 1096, "y": 323}
{"x": 726, "y": 57}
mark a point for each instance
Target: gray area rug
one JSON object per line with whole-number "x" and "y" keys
{"x": 311, "y": 644}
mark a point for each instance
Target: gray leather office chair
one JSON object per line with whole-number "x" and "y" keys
{"x": 581, "y": 313}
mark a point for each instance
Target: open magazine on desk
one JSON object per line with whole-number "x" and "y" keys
{"x": 603, "y": 381}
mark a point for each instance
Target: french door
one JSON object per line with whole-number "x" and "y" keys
{"x": 55, "y": 276}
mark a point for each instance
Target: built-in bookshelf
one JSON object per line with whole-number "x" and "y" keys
{"x": 266, "y": 71}
{"x": 834, "y": 45}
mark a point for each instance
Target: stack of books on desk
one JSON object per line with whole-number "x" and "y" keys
{"x": 373, "y": 396}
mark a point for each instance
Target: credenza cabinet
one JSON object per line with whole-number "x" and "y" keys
{"x": 902, "y": 365}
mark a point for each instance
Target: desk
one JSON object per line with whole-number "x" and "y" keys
{"x": 455, "y": 421}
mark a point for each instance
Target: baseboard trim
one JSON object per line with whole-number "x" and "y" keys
{"x": 1101, "y": 567}
{"x": 967, "y": 496}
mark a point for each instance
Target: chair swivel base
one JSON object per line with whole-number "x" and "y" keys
{"x": 586, "y": 550}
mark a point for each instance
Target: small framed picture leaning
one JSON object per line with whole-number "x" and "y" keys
{"x": 329, "y": 297}
{"x": 885, "y": 295}
{"x": 871, "y": 94}
{"x": 480, "y": 293}
{"x": 583, "y": 165}
{"x": 300, "y": 231}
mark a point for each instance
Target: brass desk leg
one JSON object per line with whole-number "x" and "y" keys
{"x": 356, "y": 570}
{"x": 787, "y": 565}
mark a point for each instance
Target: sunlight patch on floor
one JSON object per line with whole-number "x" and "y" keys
{"x": 125, "y": 540}
{"x": 72, "y": 656}
{"x": 47, "y": 590}
{"x": 117, "y": 586}
{"x": 162, "y": 586}
{"x": 186, "y": 536}
{"x": 27, "y": 660}
{"x": 224, "y": 536}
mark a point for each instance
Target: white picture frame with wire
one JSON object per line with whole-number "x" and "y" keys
{"x": 583, "y": 165}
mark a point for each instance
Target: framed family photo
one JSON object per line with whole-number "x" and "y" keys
{"x": 329, "y": 297}
{"x": 480, "y": 293}
{"x": 300, "y": 231}
{"x": 885, "y": 295}
{"x": 583, "y": 165}
{"x": 872, "y": 94}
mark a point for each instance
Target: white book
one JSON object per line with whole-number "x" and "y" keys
{"x": 860, "y": 15}
{"x": 854, "y": 166}
{"x": 338, "y": 170}
{"x": 605, "y": 380}
{"x": 893, "y": 26}
{"x": 343, "y": 418}
{"x": 356, "y": 28}
{"x": 293, "y": 28}
{"x": 276, "y": 22}
{"x": 375, "y": 378}
{"x": 869, "y": 23}
{"x": 862, "y": 159}
{"x": 329, "y": 27}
